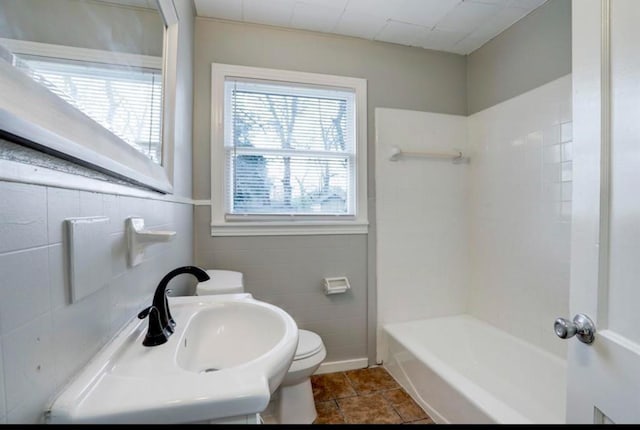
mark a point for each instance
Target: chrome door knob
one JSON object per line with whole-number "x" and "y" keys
{"x": 582, "y": 327}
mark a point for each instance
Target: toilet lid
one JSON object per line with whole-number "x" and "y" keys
{"x": 221, "y": 282}
{"x": 309, "y": 343}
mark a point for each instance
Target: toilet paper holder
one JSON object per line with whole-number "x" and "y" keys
{"x": 336, "y": 285}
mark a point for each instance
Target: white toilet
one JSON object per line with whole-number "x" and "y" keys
{"x": 293, "y": 400}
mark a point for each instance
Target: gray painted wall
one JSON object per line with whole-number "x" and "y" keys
{"x": 534, "y": 51}
{"x": 45, "y": 340}
{"x": 288, "y": 271}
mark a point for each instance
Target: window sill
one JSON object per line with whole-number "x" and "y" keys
{"x": 288, "y": 228}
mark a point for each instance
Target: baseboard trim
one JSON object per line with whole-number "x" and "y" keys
{"x": 343, "y": 365}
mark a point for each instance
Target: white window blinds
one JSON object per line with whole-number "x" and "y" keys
{"x": 289, "y": 150}
{"x": 125, "y": 100}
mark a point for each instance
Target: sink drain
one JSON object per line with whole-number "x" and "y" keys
{"x": 209, "y": 369}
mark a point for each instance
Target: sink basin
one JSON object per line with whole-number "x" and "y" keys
{"x": 228, "y": 354}
{"x": 231, "y": 334}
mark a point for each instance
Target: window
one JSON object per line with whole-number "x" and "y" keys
{"x": 288, "y": 152}
{"x": 126, "y": 100}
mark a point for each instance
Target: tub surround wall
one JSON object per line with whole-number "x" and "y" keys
{"x": 520, "y": 200}
{"x": 45, "y": 340}
{"x": 288, "y": 271}
{"x": 422, "y": 217}
{"x": 491, "y": 238}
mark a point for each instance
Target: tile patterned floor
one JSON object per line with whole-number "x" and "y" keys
{"x": 364, "y": 396}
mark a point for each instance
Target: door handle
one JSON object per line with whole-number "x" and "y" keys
{"x": 582, "y": 327}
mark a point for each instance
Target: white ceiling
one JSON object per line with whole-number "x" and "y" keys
{"x": 458, "y": 26}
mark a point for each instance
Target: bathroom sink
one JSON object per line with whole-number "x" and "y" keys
{"x": 229, "y": 334}
{"x": 228, "y": 354}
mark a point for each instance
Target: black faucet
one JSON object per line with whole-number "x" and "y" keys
{"x": 161, "y": 322}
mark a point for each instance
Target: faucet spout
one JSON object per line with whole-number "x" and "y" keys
{"x": 161, "y": 323}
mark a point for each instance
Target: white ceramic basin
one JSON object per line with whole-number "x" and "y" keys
{"x": 231, "y": 334}
{"x": 226, "y": 357}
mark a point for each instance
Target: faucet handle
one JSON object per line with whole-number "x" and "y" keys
{"x": 170, "y": 320}
{"x": 145, "y": 312}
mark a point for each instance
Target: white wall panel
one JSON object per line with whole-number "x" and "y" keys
{"x": 422, "y": 209}
{"x": 520, "y": 200}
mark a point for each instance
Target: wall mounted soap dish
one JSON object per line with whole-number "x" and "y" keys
{"x": 138, "y": 238}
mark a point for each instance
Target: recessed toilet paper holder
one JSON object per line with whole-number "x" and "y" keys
{"x": 336, "y": 285}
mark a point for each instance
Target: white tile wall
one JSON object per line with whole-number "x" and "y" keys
{"x": 24, "y": 288}
{"x": 29, "y": 365}
{"x": 61, "y": 204}
{"x": 421, "y": 209}
{"x": 491, "y": 238}
{"x": 521, "y": 212}
{"x": 45, "y": 340}
{"x": 22, "y": 225}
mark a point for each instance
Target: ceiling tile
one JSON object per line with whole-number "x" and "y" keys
{"x": 224, "y": 9}
{"x": 498, "y": 23}
{"x": 467, "y": 45}
{"x": 360, "y": 25}
{"x": 404, "y": 34}
{"x": 467, "y": 16}
{"x": 335, "y": 4}
{"x": 426, "y": 13}
{"x": 379, "y": 8}
{"x": 273, "y": 12}
{"x": 459, "y": 26}
{"x": 315, "y": 18}
{"x": 441, "y": 40}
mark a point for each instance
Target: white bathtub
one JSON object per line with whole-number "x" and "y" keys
{"x": 462, "y": 370}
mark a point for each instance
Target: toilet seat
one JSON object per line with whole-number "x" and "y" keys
{"x": 309, "y": 343}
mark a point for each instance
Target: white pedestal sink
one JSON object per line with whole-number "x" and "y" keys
{"x": 226, "y": 357}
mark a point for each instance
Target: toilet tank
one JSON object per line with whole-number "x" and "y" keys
{"x": 221, "y": 282}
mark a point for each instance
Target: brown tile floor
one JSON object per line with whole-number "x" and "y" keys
{"x": 364, "y": 396}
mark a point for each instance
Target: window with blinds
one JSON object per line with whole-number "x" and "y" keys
{"x": 290, "y": 150}
{"x": 125, "y": 100}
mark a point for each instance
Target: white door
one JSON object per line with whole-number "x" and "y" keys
{"x": 603, "y": 384}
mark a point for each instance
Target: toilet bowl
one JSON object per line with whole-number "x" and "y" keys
{"x": 293, "y": 400}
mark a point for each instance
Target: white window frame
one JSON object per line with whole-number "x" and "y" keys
{"x": 221, "y": 225}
